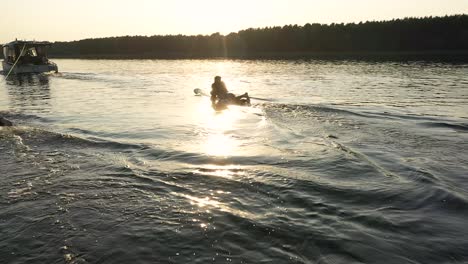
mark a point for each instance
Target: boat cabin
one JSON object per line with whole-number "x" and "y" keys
{"x": 33, "y": 52}
{"x": 27, "y": 56}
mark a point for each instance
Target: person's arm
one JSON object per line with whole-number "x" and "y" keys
{"x": 213, "y": 94}
{"x": 223, "y": 87}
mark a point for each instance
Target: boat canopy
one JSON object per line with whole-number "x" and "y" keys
{"x": 30, "y": 51}
{"x": 28, "y": 43}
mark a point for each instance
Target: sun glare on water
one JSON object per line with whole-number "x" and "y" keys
{"x": 219, "y": 141}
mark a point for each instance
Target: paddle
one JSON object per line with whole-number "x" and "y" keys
{"x": 199, "y": 92}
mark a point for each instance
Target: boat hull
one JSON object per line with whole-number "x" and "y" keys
{"x": 29, "y": 68}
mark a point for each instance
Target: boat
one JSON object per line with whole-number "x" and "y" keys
{"x": 27, "y": 57}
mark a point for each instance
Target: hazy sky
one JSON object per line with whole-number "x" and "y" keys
{"x": 73, "y": 20}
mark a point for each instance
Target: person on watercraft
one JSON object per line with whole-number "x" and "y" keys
{"x": 220, "y": 92}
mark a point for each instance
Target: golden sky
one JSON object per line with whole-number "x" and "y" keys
{"x": 55, "y": 20}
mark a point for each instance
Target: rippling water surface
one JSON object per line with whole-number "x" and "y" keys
{"x": 336, "y": 162}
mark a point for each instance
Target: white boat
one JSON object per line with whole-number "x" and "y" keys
{"x": 27, "y": 57}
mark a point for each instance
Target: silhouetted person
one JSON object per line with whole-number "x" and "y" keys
{"x": 220, "y": 92}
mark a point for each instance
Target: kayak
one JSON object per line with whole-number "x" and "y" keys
{"x": 223, "y": 104}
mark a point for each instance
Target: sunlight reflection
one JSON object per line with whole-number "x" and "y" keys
{"x": 226, "y": 171}
{"x": 202, "y": 202}
{"x": 211, "y": 202}
{"x": 218, "y": 140}
{"x": 219, "y": 145}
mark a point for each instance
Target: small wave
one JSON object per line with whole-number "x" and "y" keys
{"x": 321, "y": 110}
{"x": 88, "y": 77}
{"x": 78, "y": 76}
{"x": 56, "y": 139}
{"x": 81, "y": 138}
{"x": 444, "y": 199}
{"x": 399, "y": 116}
{"x": 460, "y": 127}
{"x": 202, "y": 159}
{"x": 21, "y": 118}
{"x": 164, "y": 91}
{"x": 298, "y": 108}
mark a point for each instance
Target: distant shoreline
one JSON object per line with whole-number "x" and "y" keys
{"x": 457, "y": 55}
{"x": 431, "y": 38}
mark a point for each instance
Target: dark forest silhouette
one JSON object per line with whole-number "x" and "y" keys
{"x": 447, "y": 34}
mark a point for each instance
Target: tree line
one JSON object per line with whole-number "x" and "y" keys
{"x": 428, "y": 34}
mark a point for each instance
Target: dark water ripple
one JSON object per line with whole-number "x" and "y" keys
{"x": 95, "y": 176}
{"x": 125, "y": 202}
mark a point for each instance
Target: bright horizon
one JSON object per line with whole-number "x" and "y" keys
{"x": 58, "y": 20}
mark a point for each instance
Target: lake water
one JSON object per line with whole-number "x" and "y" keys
{"x": 339, "y": 162}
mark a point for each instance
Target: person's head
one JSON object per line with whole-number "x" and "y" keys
{"x": 217, "y": 78}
